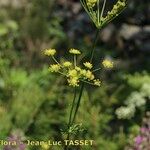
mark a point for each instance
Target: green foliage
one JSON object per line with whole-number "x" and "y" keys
{"x": 137, "y": 99}
{"x": 25, "y": 105}
{"x": 138, "y": 79}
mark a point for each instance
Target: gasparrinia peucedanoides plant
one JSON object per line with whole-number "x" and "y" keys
{"x": 79, "y": 74}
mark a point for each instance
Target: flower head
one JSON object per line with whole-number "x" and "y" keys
{"x": 88, "y": 65}
{"x": 67, "y": 64}
{"x": 83, "y": 72}
{"x": 91, "y": 3}
{"x": 97, "y": 82}
{"x": 73, "y": 81}
{"x": 89, "y": 75}
{"x": 54, "y": 68}
{"x": 73, "y": 73}
{"x": 107, "y": 64}
{"x": 74, "y": 51}
{"x": 139, "y": 139}
{"x": 77, "y": 68}
{"x": 50, "y": 52}
{"x": 117, "y": 8}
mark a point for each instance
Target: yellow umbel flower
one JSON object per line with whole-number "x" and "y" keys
{"x": 73, "y": 73}
{"x": 54, "y": 68}
{"x": 73, "y": 81}
{"x": 97, "y": 82}
{"x": 91, "y": 3}
{"x": 89, "y": 75}
{"x": 117, "y": 8}
{"x": 88, "y": 65}
{"x": 50, "y": 52}
{"x": 107, "y": 63}
{"x": 74, "y": 51}
{"x": 67, "y": 64}
{"x": 83, "y": 72}
{"x": 77, "y": 68}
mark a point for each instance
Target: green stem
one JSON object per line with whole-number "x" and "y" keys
{"x": 75, "y": 60}
{"x": 71, "y": 120}
{"x": 103, "y": 8}
{"x": 71, "y": 111}
{"x": 94, "y": 44}
{"x": 56, "y": 61}
{"x": 96, "y": 69}
{"x": 70, "y": 117}
{"x": 98, "y": 11}
{"x": 82, "y": 86}
{"x": 78, "y": 103}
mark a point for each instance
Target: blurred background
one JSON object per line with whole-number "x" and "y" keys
{"x": 34, "y": 103}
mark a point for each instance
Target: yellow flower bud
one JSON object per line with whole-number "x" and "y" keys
{"x": 67, "y": 64}
{"x": 107, "y": 63}
{"x": 77, "y": 68}
{"x": 74, "y": 51}
{"x": 89, "y": 75}
{"x": 97, "y": 82}
{"x": 54, "y": 68}
{"x": 91, "y": 3}
{"x": 50, "y": 52}
{"x": 73, "y": 81}
{"x": 73, "y": 73}
{"x": 88, "y": 65}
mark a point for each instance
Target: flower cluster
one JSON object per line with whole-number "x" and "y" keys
{"x": 117, "y": 8}
{"x": 125, "y": 112}
{"x": 50, "y": 52}
{"x": 96, "y": 13}
{"x": 107, "y": 64}
{"x": 136, "y": 99}
{"x": 91, "y": 3}
{"x": 74, "y": 73}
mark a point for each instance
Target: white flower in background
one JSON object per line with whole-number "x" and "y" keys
{"x": 146, "y": 90}
{"x": 137, "y": 99}
{"x": 125, "y": 112}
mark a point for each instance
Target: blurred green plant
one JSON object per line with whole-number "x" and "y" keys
{"x": 137, "y": 99}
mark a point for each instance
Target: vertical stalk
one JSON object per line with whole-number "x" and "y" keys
{"x": 103, "y": 8}
{"x": 82, "y": 86}
{"x": 75, "y": 60}
{"x": 78, "y": 102}
{"x": 98, "y": 11}
{"x": 94, "y": 44}
{"x": 72, "y": 119}
{"x": 70, "y": 116}
{"x": 71, "y": 111}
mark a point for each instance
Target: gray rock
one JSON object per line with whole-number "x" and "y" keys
{"x": 128, "y": 31}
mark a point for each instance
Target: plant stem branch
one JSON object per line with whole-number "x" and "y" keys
{"x": 71, "y": 111}
{"x": 78, "y": 102}
{"x": 71, "y": 120}
{"x": 94, "y": 44}
{"x": 96, "y": 69}
{"x": 103, "y": 8}
{"x": 70, "y": 117}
